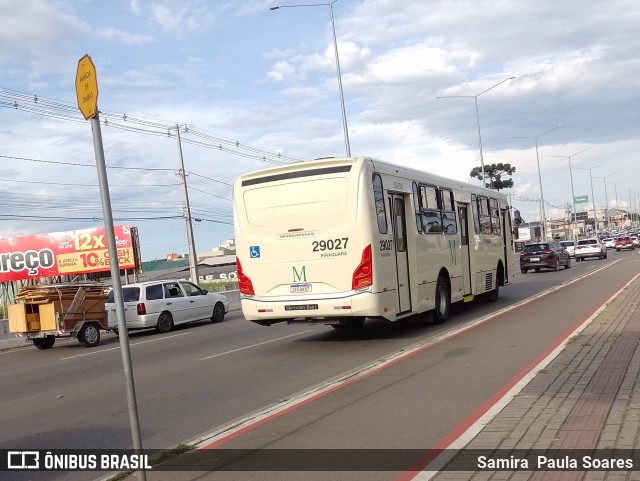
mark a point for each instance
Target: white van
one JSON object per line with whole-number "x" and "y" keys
{"x": 164, "y": 304}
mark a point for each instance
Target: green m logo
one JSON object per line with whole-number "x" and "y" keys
{"x": 299, "y": 276}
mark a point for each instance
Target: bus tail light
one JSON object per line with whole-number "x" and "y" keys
{"x": 244, "y": 283}
{"x": 363, "y": 275}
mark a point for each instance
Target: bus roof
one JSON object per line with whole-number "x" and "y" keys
{"x": 379, "y": 166}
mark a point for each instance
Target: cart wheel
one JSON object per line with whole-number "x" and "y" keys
{"x": 89, "y": 335}
{"x": 44, "y": 342}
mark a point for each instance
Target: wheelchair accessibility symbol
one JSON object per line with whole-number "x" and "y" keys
{"x": 254, "y": 252}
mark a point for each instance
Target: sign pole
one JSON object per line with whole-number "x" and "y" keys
{"x": 87, "y": 91}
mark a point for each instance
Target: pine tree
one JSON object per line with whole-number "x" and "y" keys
{"x": 493, "y": 175}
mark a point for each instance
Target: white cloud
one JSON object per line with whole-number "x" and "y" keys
{"x": 265, "y": 79}
{"x": 182, "y": 16}
{"x": 124, "y": 37}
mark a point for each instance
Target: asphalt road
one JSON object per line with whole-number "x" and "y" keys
{"x": 200, "y": 377}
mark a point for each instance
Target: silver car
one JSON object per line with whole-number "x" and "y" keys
{"x": 569, "y": 246}
{"x": 164, "y": 304}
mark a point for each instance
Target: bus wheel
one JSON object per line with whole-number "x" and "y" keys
{"x": 349, "y": 323}
{"x": 443, "y": 302}
{"x": 44, "y": 342}
{"x": 492, "y": 296}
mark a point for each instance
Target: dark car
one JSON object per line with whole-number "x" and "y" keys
{"x": 544, "y": 255}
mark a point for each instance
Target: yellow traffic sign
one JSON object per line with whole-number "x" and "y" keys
{"x": 87, "y": 87}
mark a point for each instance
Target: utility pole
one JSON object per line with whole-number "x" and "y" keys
{"x": 193, "y": 257}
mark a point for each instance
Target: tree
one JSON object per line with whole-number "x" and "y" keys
{"x": 493, "y": 173}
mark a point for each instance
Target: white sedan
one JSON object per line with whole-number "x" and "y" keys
{"x": 164, "y": 304}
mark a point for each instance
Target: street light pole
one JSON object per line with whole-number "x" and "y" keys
{"x": 629, "y": 212}
{"x": 543, "y": 221}
{"x": 606, "y": 197}
{"x": 475, "y": 97}
{"x": 593, "y": 200}
{"x": 615, "y": 187}
{"x": 573, "y": 195}
{"x": 335, "y": 48}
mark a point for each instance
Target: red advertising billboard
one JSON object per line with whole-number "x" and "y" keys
{"x": 63, "y": 253}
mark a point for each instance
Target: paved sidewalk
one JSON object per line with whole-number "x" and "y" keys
{"x": 587, "y": 398}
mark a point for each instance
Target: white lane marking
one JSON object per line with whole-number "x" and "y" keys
{"x": 254, "y": 345}
{"x": 465, "y": 438}
{"x": 118, "y": 347}
{"x": 247, "y": 423}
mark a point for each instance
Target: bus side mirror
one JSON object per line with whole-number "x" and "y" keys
{"x": 517, "y": 220}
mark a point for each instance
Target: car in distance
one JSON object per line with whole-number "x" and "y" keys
{"x": 590, "y": 248}
{"x": 624, "y": 243}
{"x": 570, "y": 246}
{"x": 609, "y": 242}
{"x": 163, "y": 304}
{"x": 544, "y": 255}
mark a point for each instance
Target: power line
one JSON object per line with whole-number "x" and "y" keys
{"x": 86, "y": 185}
{"x": 31, "y": 103}
{"x": 77, "y": 164}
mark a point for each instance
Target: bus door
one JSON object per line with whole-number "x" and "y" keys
{"x": 463, "y": 210}
{"x": 400, "y": 248}
{"x": 507, "y": 241}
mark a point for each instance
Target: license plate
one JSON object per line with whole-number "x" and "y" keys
{"x": 296, "y": 288}
{"x": 534, "y": 259}
{"x": 301, "y": 307}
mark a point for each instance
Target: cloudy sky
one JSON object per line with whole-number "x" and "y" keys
{"x": 250, "y": 88}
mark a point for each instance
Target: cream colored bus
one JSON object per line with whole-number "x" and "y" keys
{"x": 338, "y": 240}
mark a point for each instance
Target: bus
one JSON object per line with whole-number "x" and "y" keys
{"x": 339, "y": 240}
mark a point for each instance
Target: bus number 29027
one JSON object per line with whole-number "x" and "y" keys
{"x": 330, "y": 245}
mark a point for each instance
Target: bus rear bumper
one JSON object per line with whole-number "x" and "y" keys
{"x": 363, "y": 304}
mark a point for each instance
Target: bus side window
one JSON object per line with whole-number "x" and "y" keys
{"x": 430, "y": 212}
{"x": 475, "y": 209}
{"x": 494, "y": 212}
{"x": 448, "y": 212}
{"x": 484, "y": 214}
{"x": 416, "y": 207}
{"x": 378, "y": 198}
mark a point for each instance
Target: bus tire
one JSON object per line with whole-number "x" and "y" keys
{"x": 44, "y": 342}
{"x": 89, "y": 335}
{"x": 492, "y": 296}
{"x": 349, "y": 323}
{"x": 443, "y": 302}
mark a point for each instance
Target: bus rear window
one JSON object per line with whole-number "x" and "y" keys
{"x": 317, "y": 200}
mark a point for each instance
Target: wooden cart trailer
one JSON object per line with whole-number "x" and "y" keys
{"x": 44, "y": 312}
